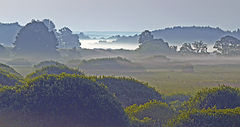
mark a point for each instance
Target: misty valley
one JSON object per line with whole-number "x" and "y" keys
{"x": 172, "y": 77}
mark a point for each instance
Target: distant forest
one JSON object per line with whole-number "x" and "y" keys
{"x": 174, "y": 35}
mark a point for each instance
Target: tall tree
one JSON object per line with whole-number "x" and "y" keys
{"x": 68, "y": 39}
{"x": 199, "y": 47}
{"x": 228, "y": 45}
{"x": 35, "y": 39}
{"x": 145, "y": 36}
{"x": 186, "y": 48}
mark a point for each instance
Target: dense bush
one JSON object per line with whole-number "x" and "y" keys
{"x": 207, "y": 118}
{"x": 9, "y": 69}
{"x": 8, "y": 76}
{"x": 176, "y": 101}
{"x": 48, "y": 63}
{"x": 222, "y": 97}
{"x": 210, "y": 107}
{"x": 150, "y": 114}
{"x": 54, "y": 70}
{"x": 108, "y": 64}
{"x": 129, "y": 91}
{"x": 60, "y": 101}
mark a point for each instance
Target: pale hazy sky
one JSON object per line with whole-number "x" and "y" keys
{"x": 124, "y": 15}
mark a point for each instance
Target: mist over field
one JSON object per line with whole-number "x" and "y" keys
{"x": 118, "y": 63}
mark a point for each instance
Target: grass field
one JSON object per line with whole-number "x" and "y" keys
{"x": 170, "y": 82}
{"x": 177, "y": 81}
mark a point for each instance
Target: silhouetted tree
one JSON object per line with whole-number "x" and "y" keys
{"x": 199, "y": 47}
{"x": 68, "y": 39}
{"x": 228, "y": 45}
{"x": 35, "y": 39}
{"x": 145, "y": 36}
{"x": 8, "y": 32}
{"x": 50, "y": 25}
{"x": 186, "y": 48}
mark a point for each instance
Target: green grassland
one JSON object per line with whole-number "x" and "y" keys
{"x": 175, "y": 81}
{"x": 172, "y": 81}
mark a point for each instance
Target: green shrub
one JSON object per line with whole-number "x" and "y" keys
{"x": 129, "y": 91}
{"x": 48, "y": 63}
{"x": 8, "y": 76}
{"x": 222, "y": 97}
{"x": 207, "y": 118}
{"x": 109, "y": 64}
{"x": 9, "y": 69}
{"x": 53, "y": 70}
{"x": 150, "y": 114}
{"x": 60, "y": 101}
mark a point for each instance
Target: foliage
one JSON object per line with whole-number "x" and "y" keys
{"x": 198, "y": 47}
{"x": 10, "y": 79}
{"x": 8, "y": 76}
{"x": 210, "y": 117}
{"x": 176, "y": 101}
{"x": 228, "y": 45}
{"x": 109, "y": 64}
{"x": 156, "y": 47}
{"x": 129, "y": 91}
{"x": 53, "y": 70}
{"x": 145, "y": 36}
{"x": 9, "y": 69}
{"x": 48, "y": 63}
{"x": 60, "y": 100}
{"x": 151, "y": 114}
{"x": 8, "y": 32}
{"x": 35, "y": 39}
{"x": 68, "y": 39}
{"x": 105, "y": 59}
{"x": 222, "y": 97}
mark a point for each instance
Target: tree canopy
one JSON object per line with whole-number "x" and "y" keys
{"x": 60, "y": 101}
{"x": 35, "y": 39}
{"x": 68, "y": 39}
{"x": 228, "y": 45}
{"x": 145, "y": 36}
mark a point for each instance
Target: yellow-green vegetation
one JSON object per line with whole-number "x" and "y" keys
{"x": 48, "y": 63}
{"x": 63, "y": 100}
{"x": 211, "y": 107}
{"x": 105, "y": 59}
{"x": 222, "y": 97}
{"x": 151, "y": 114}
{"x": 207, "y": 118}
{"x": 129, "y": 91}
{"x": 109, "y": 64}
{"x": 176, "y": 81}
{"x": 169, "y": 80}
{"x": 8, "y": 76}
{"x": 54, "y": 70}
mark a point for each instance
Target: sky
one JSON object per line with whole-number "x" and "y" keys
{"x": 124, "y": 15}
